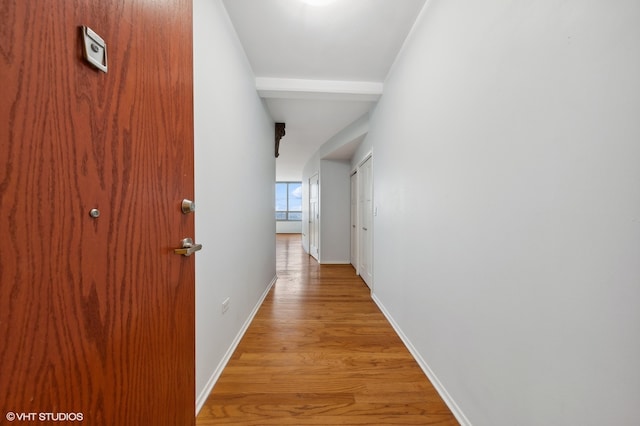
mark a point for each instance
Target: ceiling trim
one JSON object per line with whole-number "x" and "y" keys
{"x": 291, "y": 88}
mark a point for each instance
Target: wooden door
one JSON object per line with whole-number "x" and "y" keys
{"x": 96, "y": 313}
{"x": 365, "y": 194}
{"x": 314, "y": 216}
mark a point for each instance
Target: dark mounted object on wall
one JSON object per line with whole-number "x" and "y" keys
{"x": 280, "y": 132}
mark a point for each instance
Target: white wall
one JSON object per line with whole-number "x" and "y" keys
{"x": 284, "y": 227}
{"x": 335, "y": 211}
{"x": 365, "y": 149}
{"x": 507, "y": 180}
{"x": 235, "y": 175}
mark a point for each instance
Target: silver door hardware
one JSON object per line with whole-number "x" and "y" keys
{"x": 94, "y": 49}
{"x": 94, "y": 213}
{"x": 188, "y": 206}
{"x": 365, "y": 229}
{"x": 188, "y": 247}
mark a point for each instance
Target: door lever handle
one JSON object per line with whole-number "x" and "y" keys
{"x": 188, "y": 247}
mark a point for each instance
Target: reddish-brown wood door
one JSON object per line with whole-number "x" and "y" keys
{"x": 96, "y": 314}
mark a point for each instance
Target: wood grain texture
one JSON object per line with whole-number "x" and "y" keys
{"x": 96, "y": 315}
{"x": 319, "y": 352}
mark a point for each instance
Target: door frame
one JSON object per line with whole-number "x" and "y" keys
{"x": 354, "y": 211}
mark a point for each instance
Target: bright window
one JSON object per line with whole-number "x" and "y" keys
{"x": 289, "y": 201}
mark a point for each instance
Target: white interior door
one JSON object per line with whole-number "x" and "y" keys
{"x": 365, "y": 206}
{"x": 354, "y": 221}
{"x": 314, "y": 216}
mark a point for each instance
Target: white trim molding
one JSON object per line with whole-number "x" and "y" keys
{"x": 202, "y": 398}
{"x": 446, "y": 397}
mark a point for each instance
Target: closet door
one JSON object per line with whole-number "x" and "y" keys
{"x": 365, "y": 206}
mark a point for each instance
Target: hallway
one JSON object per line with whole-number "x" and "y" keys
{"x": 319, "y": 351}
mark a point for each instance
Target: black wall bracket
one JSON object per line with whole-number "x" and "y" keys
{"x": 280, "y": 132}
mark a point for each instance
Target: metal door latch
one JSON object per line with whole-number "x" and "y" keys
{"x": 94, "y": 49}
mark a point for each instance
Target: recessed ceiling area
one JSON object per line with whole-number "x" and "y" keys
{"x": 319, "y": 68}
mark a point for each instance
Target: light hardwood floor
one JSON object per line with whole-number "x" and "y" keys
{"x": 320, "y": 352}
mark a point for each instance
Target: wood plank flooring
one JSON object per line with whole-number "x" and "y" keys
{"x": 320, "y": 352}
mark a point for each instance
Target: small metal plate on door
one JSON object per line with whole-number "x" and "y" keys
{"x": 94, "y": 49}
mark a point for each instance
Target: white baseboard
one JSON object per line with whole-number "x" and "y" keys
{"x": 335, "y": 262}
{"x": 202, "y": 398}
{"x": 455, "y": 409}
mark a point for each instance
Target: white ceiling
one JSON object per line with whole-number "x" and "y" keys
{"x": 319, "y": 68}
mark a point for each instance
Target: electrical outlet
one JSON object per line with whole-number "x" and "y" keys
{"x": 225, "y": 305}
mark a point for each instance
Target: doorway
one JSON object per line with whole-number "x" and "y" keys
{"x": 314, "y": 215}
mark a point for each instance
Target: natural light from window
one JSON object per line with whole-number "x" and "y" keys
{"x": 289, "y": 201}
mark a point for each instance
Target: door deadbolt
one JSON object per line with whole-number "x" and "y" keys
{"x": 188, "y": 206}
